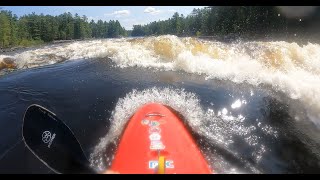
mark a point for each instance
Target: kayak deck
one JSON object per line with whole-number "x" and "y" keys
{"x": 156, "y": 140}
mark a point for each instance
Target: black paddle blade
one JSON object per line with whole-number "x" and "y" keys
{"x": 53, "y": 142}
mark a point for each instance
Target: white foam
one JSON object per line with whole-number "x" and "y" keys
{"x": 219, "y": 129}
{"x": 286, "y": 67}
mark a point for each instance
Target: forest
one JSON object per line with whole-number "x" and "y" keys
{"x": 250, "y": 22}
{"x": 33, "y": 29}
{"x": 235, "y": 21}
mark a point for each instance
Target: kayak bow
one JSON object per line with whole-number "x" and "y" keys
{"x": 156, "y": 141}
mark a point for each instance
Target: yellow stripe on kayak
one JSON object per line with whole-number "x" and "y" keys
{"x": 161, "y": 165}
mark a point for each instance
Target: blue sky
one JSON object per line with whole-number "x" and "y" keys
{"x": 127, "y": 15}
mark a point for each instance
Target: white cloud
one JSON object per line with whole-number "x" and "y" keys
{"x": 172, "y": 10}
{"x": 128, "y": 23}
{"x": 119, "y": 13}
{"x": 151, "y": 10}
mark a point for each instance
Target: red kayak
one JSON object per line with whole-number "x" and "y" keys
{"x": 156, "y": 141}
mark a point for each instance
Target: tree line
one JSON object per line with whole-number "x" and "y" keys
{"x": 34, "y": 29}
{"x": 237, "y": 21}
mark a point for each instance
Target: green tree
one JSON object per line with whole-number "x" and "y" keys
{"x": 137, "y": 31}
{"x": 23, "y": 31}
{"x": 177, "y": 29}
{"x": 5, "y": 30}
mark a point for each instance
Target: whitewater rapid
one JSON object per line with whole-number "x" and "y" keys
{"x": 285, "y": 67}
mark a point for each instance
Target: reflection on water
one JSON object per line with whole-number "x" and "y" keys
{"x": 238, "y": 103}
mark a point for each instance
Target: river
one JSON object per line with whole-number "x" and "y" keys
{"x": 253, "y": 107}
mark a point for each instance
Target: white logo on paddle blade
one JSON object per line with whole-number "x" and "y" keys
{"x": 47, "y": 138}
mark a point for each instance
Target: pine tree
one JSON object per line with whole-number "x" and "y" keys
{"x": 5, "y": 30}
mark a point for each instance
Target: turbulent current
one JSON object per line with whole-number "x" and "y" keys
{"x": 289, "y": 69}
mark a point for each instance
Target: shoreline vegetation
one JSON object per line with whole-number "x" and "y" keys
{"x": 32, "y": 29}
{"x": 221, "y": 23}
{"x": 247, "y": 23}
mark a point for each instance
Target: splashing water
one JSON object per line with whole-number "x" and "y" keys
{"x": 286, "y": 67}
{"x": 218, "y": 126}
